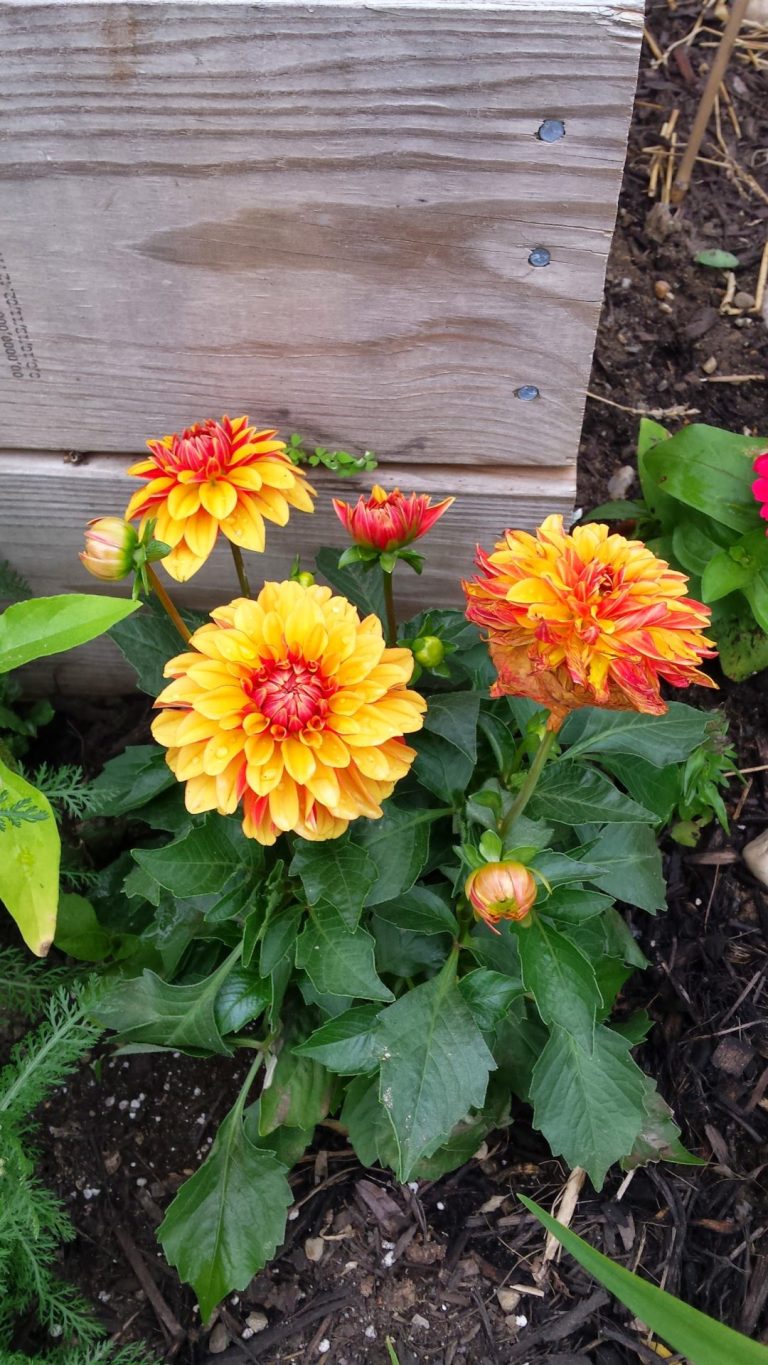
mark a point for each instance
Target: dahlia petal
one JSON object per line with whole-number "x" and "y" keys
{"x": 182, "y": 564}
{"x": 221, "y": 701}
{"x": 273, "y": 506}
{"x": 277, "y": 473}
{"x": 245, "y": 526}
{"x": 218, "y": 498}
{"x": 332, "y": 750}
{"x": 298, "y": 759}
{"x": 167, "y": 529}
{"x": 284, "y": 803}
{"x": 200, "y": 532}
{"x": 200, "y": 795}
{"x": 245, "y": 476}
{"x": 220, "y": 750}
{"x": 183, "y": 500}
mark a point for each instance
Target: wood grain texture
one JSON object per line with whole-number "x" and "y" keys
{"x": 319, "y": 214}
{"x": 46, "y": 502}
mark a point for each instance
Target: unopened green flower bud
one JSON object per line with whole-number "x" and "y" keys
{"x": 110, "y": 546}
{"x": 428, "y": 651}
{"x": 305, "y": 578}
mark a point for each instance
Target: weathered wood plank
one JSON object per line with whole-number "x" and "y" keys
{"x": 46, "y": 502}
{"x": 320, "y": 214}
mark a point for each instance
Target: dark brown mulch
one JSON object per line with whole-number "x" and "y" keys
{"x": 439, "y": 1268}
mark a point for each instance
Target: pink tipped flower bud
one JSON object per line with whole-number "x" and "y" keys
{"x": 110, "y": 546}
{"x": 501, "y": 891}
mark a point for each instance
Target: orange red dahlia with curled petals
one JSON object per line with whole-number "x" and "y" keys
{"x": 293, "y": 706}
{"x": 216, "y": 476}
{"x": 389, "y": 521}
{"x": 586, "y": 619}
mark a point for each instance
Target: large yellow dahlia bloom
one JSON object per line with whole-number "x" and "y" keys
{"x": 586, "y": 619}
{"x": 215, "y": 476}
{"x": 294, "y": 706}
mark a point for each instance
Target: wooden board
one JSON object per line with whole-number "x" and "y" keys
{"x": 46, "y": 502}
{"x": 318, "y": 214}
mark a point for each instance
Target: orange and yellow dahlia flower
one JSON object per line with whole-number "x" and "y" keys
{"x": 586, "y": 619}
{"x": 216, "y": 476}
{"x": 294, "y": 706}
{"x": 389, "y": 521}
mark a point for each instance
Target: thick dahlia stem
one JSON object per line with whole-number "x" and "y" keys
{"x": 529, "y": 785}
{"x": 389, "y": 603}
{"x": 242, "y": 576}
{"x": 167, "y": 604}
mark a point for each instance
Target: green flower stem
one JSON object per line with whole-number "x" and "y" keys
{"x": 242, "y": 576}
{"x": 167, "y": 604}
{"x": 389, "y": 603}
{"x": 247, "y": 1083}
{"x": 529, "y": 785}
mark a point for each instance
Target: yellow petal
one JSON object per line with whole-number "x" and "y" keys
{"x": 324, "y": 784}
{"x": 200, "y": 533}
{"x": 200, "y": 795}
{"x": 183, "y": 501}
{"x": 244, "y": 525}
{"x": 298, "y": 759}
{"x": 220, "y": 751}
{"x": 284, "y": 804}
{"x": 332, "y": 750}
{"x": 181, "y": 563}
{"x": 219, "y": 498}
{"x": 259, "y": 749}
{"x": 221, "y": 701}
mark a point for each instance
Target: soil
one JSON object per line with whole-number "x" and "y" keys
{"x": 452, "y": 1270}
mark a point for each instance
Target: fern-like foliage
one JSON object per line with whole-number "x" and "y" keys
{"x": 65, "y": 786}
{"x": 33, "y": 1223}
{"x": 103, "y": 1354}
{"x": 26, "y": 982}
{"x": 13, "y": 587}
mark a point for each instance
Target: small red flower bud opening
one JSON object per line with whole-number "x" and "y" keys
{"x": 388, "y": 521}
{"x": 501, "y": 891}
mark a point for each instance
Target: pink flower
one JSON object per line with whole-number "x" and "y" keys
{"x": 760, "y": 486}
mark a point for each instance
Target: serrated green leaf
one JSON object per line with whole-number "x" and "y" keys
{"x": 149, "y": 640}
{"x": 202, "y": 861}
{"x": 298, "y": 1095}
{"x": 401, "y": 952}
{"x": 701, "y": 1339}
{"x": 280, "y": 935}
{"x": 489, "y": 995}
{"x": 576, "y": 794}
{"x": 397, "y": 846}
{"x": 630, "y": 864}
{"x": 570, "y": 905}
{"x": 286, "y": 1144}
{"x": 338, "y": 871}
{"x": 589, "y": 1105}
{"x": 366, "y": 1121}
{"x": 228, "y": 1220}
{"x": 29, "y": 862}
{"x": 659, "y": 739}
{"x": 560, "y": 979}
{"x": 146, "y": 1009}
{"x": 339, "y": 960}
{"x": 434, "y": 1066}
{"x": 743, "y": 646}
{"x": 78, "y": 931}
{"x": 346, "y": 1045}
{"x": 360, "y": 585}
{"x": 422, "y": 910}
{"x": 447, "y": 746}
{"x": 242, "y": 997}
{"x": 48, "y": 625}
{"x": 129, "y": 781}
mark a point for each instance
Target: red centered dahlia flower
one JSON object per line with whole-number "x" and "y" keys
{"x": 216, "y": 476}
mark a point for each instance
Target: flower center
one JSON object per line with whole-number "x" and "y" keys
{"x": 202, "y": 450}
{"x": 292, "y": 694}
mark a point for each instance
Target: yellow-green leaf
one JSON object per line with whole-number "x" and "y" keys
{"x": 29, "y": 860}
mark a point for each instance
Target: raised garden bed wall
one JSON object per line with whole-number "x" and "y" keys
{"x": 327, "y": 216}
